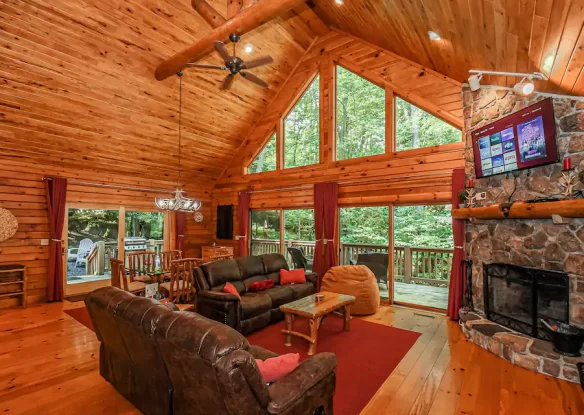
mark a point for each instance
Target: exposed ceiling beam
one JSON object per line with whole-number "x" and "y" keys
{"x": 233, "y": 8}
{"x": 255, "y": 16}
{"x": 208, "y": 13}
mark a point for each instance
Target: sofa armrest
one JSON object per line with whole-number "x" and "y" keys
{"x": 311, "y": 277}
{"x": 218, "y": 296}
{"x": 294, "y": 385}
{"x": 219, "y": 306}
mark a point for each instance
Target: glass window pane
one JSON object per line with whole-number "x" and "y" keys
{"x": 92, "y": 241}
{"x": 423, "y": 250}
{"x": 299, "y": 238}
{"x": 302, "y": 129}
{"x": 265, "y": 232}
{"x": 266, "y": 160}
{"x": 415, "y": 128}
{"x": 360, "y": 116}
{"x": 144, "y": 232}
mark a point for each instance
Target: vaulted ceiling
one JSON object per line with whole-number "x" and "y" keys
{"x": 77, "y": 86}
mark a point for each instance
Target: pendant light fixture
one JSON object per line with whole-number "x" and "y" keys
{"x": 179, "y": 202}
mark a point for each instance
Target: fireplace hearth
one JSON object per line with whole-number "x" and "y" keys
{"x": 518, "y": 297}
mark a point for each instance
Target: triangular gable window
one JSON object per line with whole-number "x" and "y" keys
{"x": 266, "y": 159}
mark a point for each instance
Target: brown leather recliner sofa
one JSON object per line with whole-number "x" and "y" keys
{"x": 255, "y": 310}
{"x": 180, "y": 363}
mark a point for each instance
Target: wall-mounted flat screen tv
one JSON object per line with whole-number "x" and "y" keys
{"x": 522, "y": 140}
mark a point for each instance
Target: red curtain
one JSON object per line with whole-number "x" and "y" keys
{"x": 325, "y": 224}
{"x": 243, "y": 219}
{"x": 56, "y": 190}
{"x": 180, "y": 222}
{"x": 457, "y": 278}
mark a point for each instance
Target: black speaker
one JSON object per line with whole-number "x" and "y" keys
{"x": 225, "y": 222}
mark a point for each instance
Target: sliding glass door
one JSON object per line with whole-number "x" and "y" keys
{"x": 423, "y": 249}
{"x": 299, "y": 238}
{"x": 265, "y": 232}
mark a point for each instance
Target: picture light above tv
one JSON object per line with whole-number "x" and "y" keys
{"x": 522, "y": 140}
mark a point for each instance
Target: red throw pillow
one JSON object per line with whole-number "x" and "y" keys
{"x": 261, "y": 285}
{"x": 295, "y": 276}
{"x": 230, "y": 288}
{"x": 277, "y": 367}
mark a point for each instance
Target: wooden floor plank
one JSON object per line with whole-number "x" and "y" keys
{"x": 49, "y": 365}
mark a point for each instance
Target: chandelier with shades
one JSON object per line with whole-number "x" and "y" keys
{"x": 179, "y": 202}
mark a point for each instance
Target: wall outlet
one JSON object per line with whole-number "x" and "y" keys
{"x": 44, "y": 242}
{"x": 481, "y": 196}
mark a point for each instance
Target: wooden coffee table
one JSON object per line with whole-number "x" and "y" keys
{"x": 315, "y": 311}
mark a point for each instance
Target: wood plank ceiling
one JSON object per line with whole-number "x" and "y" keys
{"x": 77, "y": 87}
{"x": 503, "y": 35}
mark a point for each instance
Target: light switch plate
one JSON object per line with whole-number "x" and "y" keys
{"x": 44, "y": 242}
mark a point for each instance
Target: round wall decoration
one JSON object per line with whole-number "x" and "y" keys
{"x": 8, "y": 225}
{"x": 198, "y": 217}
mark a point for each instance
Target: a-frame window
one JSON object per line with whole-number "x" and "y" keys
{"x": 360, "y": 116}
{"x": 266, "y": 159}
{"x": 302, "y": 129}
{"x": 415, "y": 128}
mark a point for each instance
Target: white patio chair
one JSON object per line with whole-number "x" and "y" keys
{"x": 85, "y": 248}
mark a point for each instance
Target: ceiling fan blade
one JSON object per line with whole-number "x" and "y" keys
{"x": 204, "y": 65}
{"x": 256, "y": 80}
{"x": 228, "y": 81}
{"x": 222, "y": 49}
{"x": 264, "y": 60}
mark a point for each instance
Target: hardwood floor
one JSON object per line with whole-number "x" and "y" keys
{"x": 49, "y": 365}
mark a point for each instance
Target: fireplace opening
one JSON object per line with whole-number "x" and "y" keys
{"x": 518, "y": 297}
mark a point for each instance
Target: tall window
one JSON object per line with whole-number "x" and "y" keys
{"x": 265, "y": 232}
{"x": 415, "y": 128}
{"x": 302, "y": 129}
{"x": 266, "y": 160}
{"x": 360, "y": 116}
{"x": 299, "y": 237}
{"x": 145, "y": 228}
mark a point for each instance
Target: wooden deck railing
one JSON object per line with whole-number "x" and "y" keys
{"x": 428, "y": 265}
{"x": 98, "y": 260}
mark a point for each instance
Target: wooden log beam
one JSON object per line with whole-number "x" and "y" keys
{"x": 233, "y": 8}
{"x": 523, "y": 210}
{"x": 255, "y": 16}
{"x": 208, "y": 13}
{"x": 245, "y": 4}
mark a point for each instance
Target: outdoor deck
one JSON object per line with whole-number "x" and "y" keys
{"x": 424, "y": 295}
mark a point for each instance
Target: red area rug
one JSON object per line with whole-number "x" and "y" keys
{"x": 81, "y": 315}
{"x": 366, "y": 355}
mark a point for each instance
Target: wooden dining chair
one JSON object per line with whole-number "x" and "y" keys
{"x": 120, "y": 280}
{"x": 140, "y": 264}
{"x": 166, "y": 257}
{"x": 181, "y": 284}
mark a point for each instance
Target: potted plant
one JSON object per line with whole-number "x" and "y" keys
{"x": 462, "y": 198}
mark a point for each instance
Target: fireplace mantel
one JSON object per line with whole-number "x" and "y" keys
{"x": 523, "y": 210}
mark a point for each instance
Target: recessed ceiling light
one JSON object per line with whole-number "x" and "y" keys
{"x": 248, "y": 48}
{"x": 339, "y": 1}
{"x": 433, "y": 35}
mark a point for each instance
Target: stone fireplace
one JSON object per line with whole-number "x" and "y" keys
{"x": 552, "y": 254}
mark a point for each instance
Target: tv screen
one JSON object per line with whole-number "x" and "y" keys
{"x": 521, "y": 140}
{"x": 224, "y": 222}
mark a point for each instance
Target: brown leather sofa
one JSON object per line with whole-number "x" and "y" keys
{"x": 255, "y": 310}
{"x": 180, "y": 363}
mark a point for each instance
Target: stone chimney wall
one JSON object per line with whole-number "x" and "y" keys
{"x": 534, "y": 243}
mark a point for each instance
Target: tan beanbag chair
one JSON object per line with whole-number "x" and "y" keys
{"x": 356, "y": 280}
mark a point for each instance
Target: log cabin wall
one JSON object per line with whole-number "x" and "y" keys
{"x": 406, "y": 177}
{"x": 22, "y": 191}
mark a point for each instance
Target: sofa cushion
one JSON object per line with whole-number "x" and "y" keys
{"x": 249, "y": 281}
{"x": 220, "y": 272}
{"x": 250, "y": 266}
{"x": 274, "y": 276}
{"x": 254, "y": 304}
{"x": 280, "y": 295}
{"x": 239, "y": 286}
{"x": 274, "y": 262}
{"x": 229, "y": 288}
{"x": 302, "y": 290}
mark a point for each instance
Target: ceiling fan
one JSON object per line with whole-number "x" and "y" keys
{"x": 236, "y": 65}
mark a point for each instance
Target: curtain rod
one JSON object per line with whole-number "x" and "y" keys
{"x": 114, "y": 186}
{"x": 309, "y": 186}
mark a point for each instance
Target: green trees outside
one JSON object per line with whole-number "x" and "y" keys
{"x": 149, "y": 225}
{"x": 415, "y": 128}
{"x": 266, "y": 160}
{"x": 299, "y": 225}
{"x": 423, "y": 226}
{"x": 360, "y": 116}
{"x": 265, "y": 224}
{"x": 97, "y": 225}
{"x": 302, "y": 129}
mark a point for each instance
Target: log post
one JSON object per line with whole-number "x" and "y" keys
{"x": 249, "y": 19}
{"x": 208, "y": 13}
{"x": 407, "y": 264}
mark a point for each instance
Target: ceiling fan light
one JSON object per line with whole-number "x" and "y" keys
{"x": 340, "y": 1}
{"x": 248, "y": 48}
{"x": 524, "y": 88}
